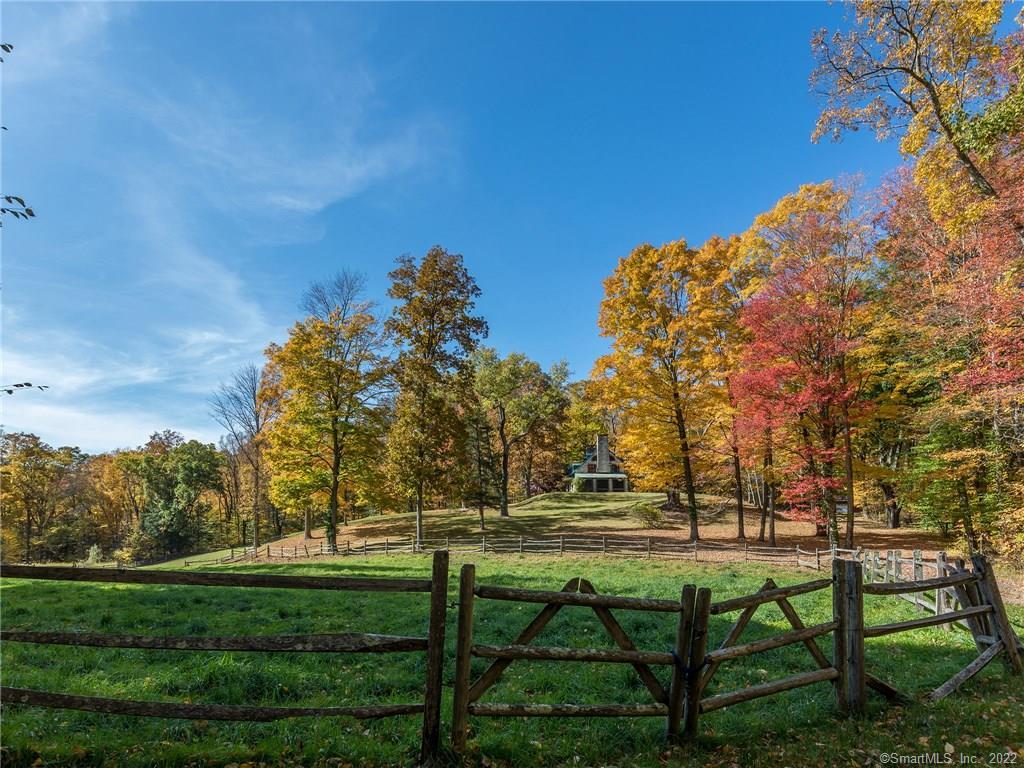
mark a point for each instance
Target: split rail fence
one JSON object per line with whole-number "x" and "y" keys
{"x": 433, "y": 645}
{"x": 679, "y": 680}
{"x": 649, "y": 546}
{"x": 685, "y": 695}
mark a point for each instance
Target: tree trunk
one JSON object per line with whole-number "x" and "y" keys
{"x": 28, "y": 537}
{"x": 892, "y": 505}
{"x": 848, "y": 460}
{"x": 419, "y": 514}
{"x": 770, "y": 492}
{"x": 737, "y": 475}
{"x": 481, "y": 489}
{"x": 684, "y": 446}
{"x": 965, "y": 515}
{"x": 764, "y": 518}
{"x": 528, "y": 474}
{"x": 256, "y": 510}
{"x": 332, "y": 515}
{"x": 505, "y": 448}
{"x": 307, "y": 524}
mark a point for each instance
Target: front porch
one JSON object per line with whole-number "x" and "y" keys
{"x": 602, "y": 482}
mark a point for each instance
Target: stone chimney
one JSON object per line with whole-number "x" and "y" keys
{"x": 604, "y": 462}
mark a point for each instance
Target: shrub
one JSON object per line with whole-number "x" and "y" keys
{"x": 649, "y": 516}
{"x": 139, "y": 547}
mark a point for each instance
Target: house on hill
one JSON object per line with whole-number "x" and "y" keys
{"x": 600, "y": 471}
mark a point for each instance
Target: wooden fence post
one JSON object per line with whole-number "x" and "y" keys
{"x": 989, "y": 591}
{"x": 464, "y": 642}
{"x": 941, "y": 604}
{"x": 848, "y": 638}
{"x": 918, "y": 576}
{"x": 386, "y": 547}
{"x": 561, "y": 544}
{"x": 604, "y": 543}
{"x": 520, "y": 545}
{"x": 817, "y": 559}
{"x": 648, "y": 547}
{"x": 695, "y": 665}
{"x": 680, "y": 673}
{"x": 431, "y": 738}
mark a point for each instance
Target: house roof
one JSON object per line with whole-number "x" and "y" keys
{"x": 591, "y": 455}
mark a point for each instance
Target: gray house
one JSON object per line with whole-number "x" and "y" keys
{"x": 601, "y": 470}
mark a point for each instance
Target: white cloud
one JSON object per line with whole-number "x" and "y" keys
{"x": 91, "y": 427}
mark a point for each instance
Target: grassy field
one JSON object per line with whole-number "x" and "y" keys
{"x": 612, "y": 513}
{"x": 795, "y": 728}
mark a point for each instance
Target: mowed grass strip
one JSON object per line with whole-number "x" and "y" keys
{"x": 799, "y": 727}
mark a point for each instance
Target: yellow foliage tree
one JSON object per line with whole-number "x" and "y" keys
{"x": 654, "y": 370}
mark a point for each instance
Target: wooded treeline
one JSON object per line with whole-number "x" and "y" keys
{"x": 863, "y": 345}
{"x": 853, "y": 351}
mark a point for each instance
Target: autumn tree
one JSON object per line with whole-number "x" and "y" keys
{"x": 521, "y": 399}
{"x": 585, "y": 416}
{"x": 953, "y": 306}
{"x": 931, "y": 72}
{"x": 34, "y": 475}
{"x": 436, "y": 331}
{"x": 725, "y": 273}
{"x": 330, "y": 378}
{"x": 805, "y": 326}
{"x": 654, "y": 367}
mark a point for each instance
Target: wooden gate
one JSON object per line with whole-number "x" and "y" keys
{"x": 980, "y": 608}
{"x": 666, "y": 697}
{"x": 432, "y": 644}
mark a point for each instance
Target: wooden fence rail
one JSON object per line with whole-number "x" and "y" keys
{"x": 681, "y": 697}
{"x": 432, "y": 644}
{"x": 644, "y": 547}
{"x": 579, "y": 593}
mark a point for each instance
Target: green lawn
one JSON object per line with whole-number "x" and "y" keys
{"x": 795, "y": 728}
{"x": 543, "y": 515}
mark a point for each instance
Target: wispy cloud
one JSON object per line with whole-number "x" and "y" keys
{"x": 194, "y": 170}
{"x": 55, "y": 39}
{"x": 251, "y": 158}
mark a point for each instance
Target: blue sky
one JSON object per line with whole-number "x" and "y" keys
{"x": 194, "y": 166}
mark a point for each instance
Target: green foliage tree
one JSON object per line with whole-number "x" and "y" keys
{"x": 519, "y": 397}
{"x": 176, "y": 476}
